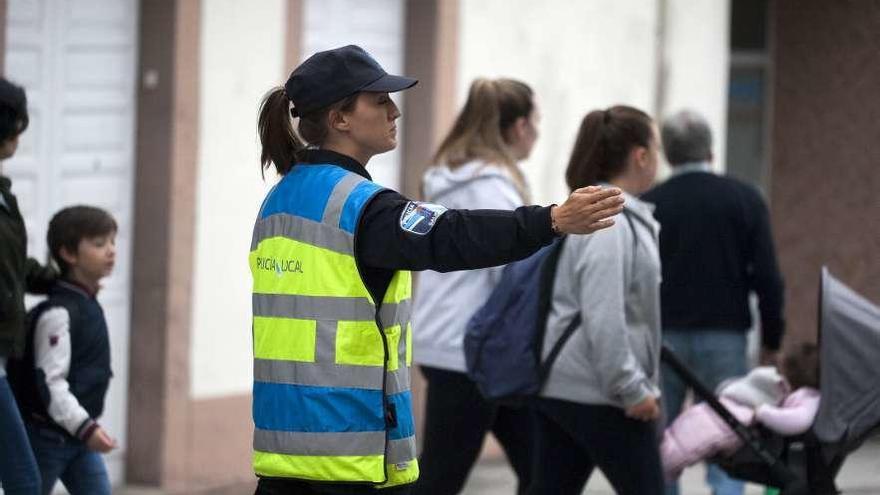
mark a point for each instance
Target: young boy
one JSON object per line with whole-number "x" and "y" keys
{"x": 65, "y": 371}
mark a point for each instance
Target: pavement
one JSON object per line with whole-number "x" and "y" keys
{"x": 860, "y": 476}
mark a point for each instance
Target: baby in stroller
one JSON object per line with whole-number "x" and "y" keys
{"x": 785, "y": 401}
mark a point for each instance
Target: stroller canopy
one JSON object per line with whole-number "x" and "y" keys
{"x": 849, "y": 333}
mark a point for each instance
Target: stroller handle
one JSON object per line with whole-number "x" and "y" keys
{"x": 779, "y": 471}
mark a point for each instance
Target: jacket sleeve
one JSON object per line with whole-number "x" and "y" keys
{"x": 52, "y": 352}
{"x": 457, "y": 240}
{"x": 602, "y": 272}
{"x": 766, "y": 278}
{"x": 38, "y": 278}
{"x": 794, "y": 417}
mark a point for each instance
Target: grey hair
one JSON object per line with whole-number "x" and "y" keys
{"x": 686, "y": 138}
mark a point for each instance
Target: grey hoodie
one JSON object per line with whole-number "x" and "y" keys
{"x": 444, "y": 302}
{"x": 613, "y": 357}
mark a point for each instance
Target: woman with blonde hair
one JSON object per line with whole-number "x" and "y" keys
{"x": 475, "y": 167}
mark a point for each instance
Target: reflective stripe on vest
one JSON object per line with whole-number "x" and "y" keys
{"x": 323, "y": 380}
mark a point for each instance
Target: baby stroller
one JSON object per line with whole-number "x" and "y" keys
{"x": 849, "y": 411}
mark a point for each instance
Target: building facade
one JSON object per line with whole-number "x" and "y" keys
{"x": 148, "y": 108}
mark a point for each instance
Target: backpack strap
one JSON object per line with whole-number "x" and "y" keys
{"x": 547, "y": 279}
{"x": 547, "y": 364}
{"x": 573, "y": 325}
{"x": 635, "y": 248}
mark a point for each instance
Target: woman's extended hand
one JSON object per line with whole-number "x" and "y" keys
{"x": 587, "y": 210}
{"x": 646, "y": 410}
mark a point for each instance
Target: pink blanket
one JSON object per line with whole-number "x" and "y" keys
{"x": 698, "y": 433}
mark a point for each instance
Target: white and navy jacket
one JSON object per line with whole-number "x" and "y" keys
{"x": 66, "y": 370}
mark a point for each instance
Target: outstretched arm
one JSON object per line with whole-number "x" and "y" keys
{"x": 469, "y": 239}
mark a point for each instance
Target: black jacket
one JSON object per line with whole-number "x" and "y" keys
{"x": 18, "y": 273}
{"x": 716, "y": 247}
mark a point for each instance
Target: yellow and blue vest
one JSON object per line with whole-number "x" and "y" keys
{"x": 331, "y": 396}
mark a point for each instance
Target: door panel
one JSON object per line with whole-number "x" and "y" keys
{"x": 77, "y": 61}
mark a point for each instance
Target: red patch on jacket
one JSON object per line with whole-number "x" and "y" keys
{"x": 53, "y": 340}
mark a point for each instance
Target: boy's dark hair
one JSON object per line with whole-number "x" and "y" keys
{"x": 73, "y": 224}
{"x": 800, "y": 365}
{"x": 13, "y": 110}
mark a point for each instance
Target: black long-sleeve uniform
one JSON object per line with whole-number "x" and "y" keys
{"x": 459, "y": 240}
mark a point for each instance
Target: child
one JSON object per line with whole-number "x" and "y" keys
{"x": 65, "y": 371}
{"x": 763, "y": 396}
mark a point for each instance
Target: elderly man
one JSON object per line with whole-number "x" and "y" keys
{"x": 716, "y": 248}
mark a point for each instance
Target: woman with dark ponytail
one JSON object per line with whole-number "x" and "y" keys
{"x": 330, "y": 258}
{"x": 475, "y": 167}
{"x": 600, "y": 404}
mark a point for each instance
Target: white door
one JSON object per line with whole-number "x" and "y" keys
{"x": 377, "y": 27}
{"x": 77, "y": 61}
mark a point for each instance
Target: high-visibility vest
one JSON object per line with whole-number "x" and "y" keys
{"x": 331, "y": 397}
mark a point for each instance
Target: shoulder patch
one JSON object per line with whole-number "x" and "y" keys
{"x": 419, "y": 218}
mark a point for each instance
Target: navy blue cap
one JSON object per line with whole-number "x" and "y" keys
{"x": 329, "y": 76}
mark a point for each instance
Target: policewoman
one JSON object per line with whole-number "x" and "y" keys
{"x": 331, "y": 257}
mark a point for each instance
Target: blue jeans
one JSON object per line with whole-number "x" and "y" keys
{"x": 63, "y": 457}
{"x": 18, "y": 469}
{"x": 713, "y": 355}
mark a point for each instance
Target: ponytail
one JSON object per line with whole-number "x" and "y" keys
{"x": 588, "y": 153}
{"x": 604, "y": 142}
{"x": 280, "y": 143}
{"x": 282, "y": 146}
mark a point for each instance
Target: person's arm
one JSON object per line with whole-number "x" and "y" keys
{"x": 766, "y": 280}
{"x": 601, "y": 273}
{"x": 38, "y": 278}
{"x": 52, "y": 354}
{"x": 794, "y": 417}
{"x": 468, "y": 239}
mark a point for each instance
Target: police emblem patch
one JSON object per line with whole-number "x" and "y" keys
{"x": 419, "y": 218}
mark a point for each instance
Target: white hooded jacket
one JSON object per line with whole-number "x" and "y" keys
{"x": 444, "y": 302}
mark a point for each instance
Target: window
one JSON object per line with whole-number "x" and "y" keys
{"x": 748, "y": 121}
